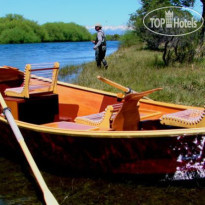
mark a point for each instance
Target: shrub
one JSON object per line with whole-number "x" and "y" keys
{"x": 66, "y": 32}
{"x": 15, "y": 29}
{"x": 129, "y": 38}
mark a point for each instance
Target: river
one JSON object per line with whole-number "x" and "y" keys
{"x": 66, "y": 53}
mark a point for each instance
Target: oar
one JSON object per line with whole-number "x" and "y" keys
{"x": 48, "y": 196}
{"x": 120, "y": 87}
{"x": 114, "y": 84}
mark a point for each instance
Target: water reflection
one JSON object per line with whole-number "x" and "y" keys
{"x": 70, "y": 77}
{"x": 2, "y": 202}
{"x": 191, "y": 158}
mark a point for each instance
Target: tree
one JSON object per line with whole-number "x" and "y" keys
{"x": 66, "y": 32}
{"x": 185, "y": 3}
{"x": 15, "y": 28}
{"x": 203, "y": 27}
{"x": 174, "y": 48}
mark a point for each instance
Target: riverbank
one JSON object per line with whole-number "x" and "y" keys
{"x": 142, "y": 70}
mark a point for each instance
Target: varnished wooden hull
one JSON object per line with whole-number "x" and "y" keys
{"x": 111, "y": 152}
{"x": 125, "y": 154}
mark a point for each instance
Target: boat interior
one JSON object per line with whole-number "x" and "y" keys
{"x": 36, "y": 97}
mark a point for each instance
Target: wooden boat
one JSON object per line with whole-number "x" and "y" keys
{"x": 79, "y": 129}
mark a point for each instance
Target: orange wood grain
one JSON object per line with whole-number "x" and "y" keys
{"x": 75, "y": 102}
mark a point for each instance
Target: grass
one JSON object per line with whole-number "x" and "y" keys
{"x": 142, "y": 70}
{"x": 19, "y": 187}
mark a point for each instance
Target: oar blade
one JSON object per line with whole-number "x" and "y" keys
{"x": 49, "y": 198}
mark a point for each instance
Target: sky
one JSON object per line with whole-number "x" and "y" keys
{"x": 83, "y": 12}
{"x": 110, "y": 13}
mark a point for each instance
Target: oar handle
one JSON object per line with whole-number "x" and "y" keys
{"x": 2, "y": 101}
{"x": 116, "y": 85}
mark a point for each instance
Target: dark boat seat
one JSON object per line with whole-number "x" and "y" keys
{"x": 118, "y": 117}
{"x": 37, "y": 109}
{"x": 190, "y": 118}
{"x": 46, "y": 83}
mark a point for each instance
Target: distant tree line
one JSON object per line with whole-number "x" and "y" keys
{"x": 109, "y": 37}
{"x": 114, "y": 37}
{"x": 15, "y": 28}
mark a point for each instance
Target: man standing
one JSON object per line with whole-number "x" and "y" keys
{"x": 100, "y": 47}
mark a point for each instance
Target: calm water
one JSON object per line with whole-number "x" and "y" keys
{"x": 67, "y": 53}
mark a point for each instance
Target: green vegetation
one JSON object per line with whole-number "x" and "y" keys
{"x": 18, "y": 187}
{"x": 115, "y": 37}
{"x": 66, "y": 32}
{"x": 175, "y": 48}
{"x": 16, "y": 29}
{"x": 143, "y": 69}
{"x": 129, "y": 39}
{"x": 147, "y": 61}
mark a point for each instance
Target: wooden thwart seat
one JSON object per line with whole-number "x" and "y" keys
{"x": 102, "y": 119}
{"x": 190, "y": 118}
{"x": 122, "y": 116}
{"x": 46, "y": 83}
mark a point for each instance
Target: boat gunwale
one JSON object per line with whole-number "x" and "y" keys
{"x": 110, "y": 134}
